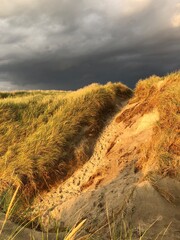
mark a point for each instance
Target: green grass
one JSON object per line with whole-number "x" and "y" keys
{"x": 46, "y": 135}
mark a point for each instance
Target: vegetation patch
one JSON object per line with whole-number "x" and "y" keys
{"x": 163, "y": 94}
{"x": 46, "y": 135}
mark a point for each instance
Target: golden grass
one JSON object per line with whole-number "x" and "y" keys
{"x": 46, "y": 135}
{"x": 74, "y": 231}
{"x": 9, "y": 209}
{"x": 163, "y": 94}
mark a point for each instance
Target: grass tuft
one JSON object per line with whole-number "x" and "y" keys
{"x": 162, "y": 153}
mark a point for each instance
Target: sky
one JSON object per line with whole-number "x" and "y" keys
{"x": 67, "y": 44}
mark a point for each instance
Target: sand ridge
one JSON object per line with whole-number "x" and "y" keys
{"x": 111, "y": 181}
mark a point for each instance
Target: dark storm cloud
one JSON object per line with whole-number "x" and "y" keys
{"x": 68, "y": 44}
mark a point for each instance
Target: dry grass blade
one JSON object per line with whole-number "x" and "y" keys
{"x": 166, "y": 230}
{"x": 74, "y": 231}
{"x": 149, "y": 228}
{"x": 9, "y": 208}
{"x": 109, "y": 224}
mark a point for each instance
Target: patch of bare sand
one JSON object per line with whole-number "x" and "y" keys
{"x": 146, "y": 121}
{"x": 155, "y": 208}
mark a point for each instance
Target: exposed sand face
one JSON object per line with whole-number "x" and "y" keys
{"x": 109, "y": 184}
{"x": 157, "y": 204}
{"x": 146, "y": 121}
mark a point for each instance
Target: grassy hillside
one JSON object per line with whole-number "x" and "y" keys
{"x": 46, "y": 135}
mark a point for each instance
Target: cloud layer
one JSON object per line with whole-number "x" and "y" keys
{"x": 66, "y": 44}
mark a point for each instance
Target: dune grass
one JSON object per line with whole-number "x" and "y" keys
{"x": 161, "y": 93}
{"x": 46, "y": 135}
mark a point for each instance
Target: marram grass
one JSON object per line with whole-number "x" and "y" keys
{"x": 46, "y": 135}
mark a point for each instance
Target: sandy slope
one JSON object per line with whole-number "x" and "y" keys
{"x": 110, "y": 188}
{"x": 75, "y": 185}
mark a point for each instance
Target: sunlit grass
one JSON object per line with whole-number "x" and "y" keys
{"x": 46, "y": 135}
{"x": 162, "y": 153}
